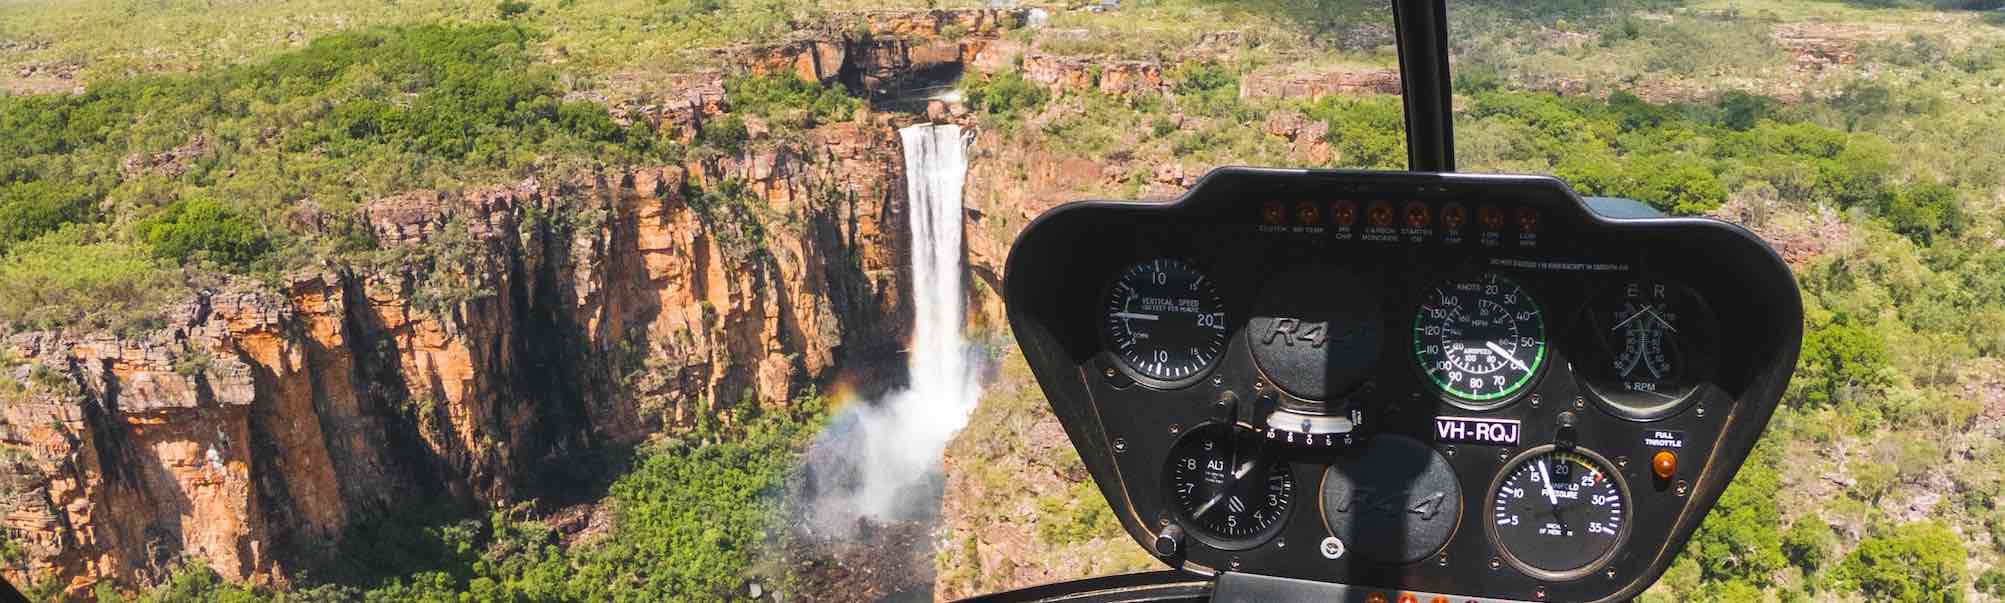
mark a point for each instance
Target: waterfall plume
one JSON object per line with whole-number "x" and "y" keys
{"x": 880, "y": 460}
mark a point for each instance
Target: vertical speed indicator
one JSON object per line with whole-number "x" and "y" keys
{"x": 1165, "y": 322}
{"x": 1480, "y": 340}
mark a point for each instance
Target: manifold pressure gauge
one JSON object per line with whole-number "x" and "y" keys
{"x": 1558, "y": 514}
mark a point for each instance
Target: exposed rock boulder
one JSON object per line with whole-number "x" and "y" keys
{"x": 1318, "y": 83}
{"x": 1064, "y": 73}
{"x": 1311, "y": 137}
{"x": 170, "y": 163}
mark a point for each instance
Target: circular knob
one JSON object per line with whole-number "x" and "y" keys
{"x": 1170, "y": 541}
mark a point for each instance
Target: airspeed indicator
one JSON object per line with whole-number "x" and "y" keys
{"x": 1480, "y": 340}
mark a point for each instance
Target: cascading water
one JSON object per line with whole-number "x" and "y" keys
{"x": 881, "y": 461}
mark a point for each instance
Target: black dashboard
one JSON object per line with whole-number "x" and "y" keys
{"x": 1420, "y": 386}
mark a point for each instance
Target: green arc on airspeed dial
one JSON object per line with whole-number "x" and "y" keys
{"x": 1480, "y": 340}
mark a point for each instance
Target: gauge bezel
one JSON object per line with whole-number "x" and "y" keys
{"x": 1115, "y": 360}
{"x": 1540, "y": 365}
{"x": 1705, "y": 366}
{"x": 1503, "y": 551}
{"x": 1197, "y": 530}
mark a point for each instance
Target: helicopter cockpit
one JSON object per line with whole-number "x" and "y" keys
{"x": 1401, "y": 386}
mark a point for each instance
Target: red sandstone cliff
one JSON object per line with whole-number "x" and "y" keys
{"x": 261, "y": 420}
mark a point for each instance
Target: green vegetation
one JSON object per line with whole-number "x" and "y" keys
{"x": 199, "y": 227}
{"x": 1913, "y": 563}
{"x": 1076, "y": 515}
{"x": 788, "y": 98}
{"x": 1367, "y": 132}
{"x": 112, "y": 40}
{"x": 1742, "y": 539}
{"x": 1004, "y": 94}
{"x": 207, "y": 168}
{"x": 32, "y": 209}
{"x": 76, "y": 277}
{"x": 693, "y": 519}
{"x": 1992, "y": 582}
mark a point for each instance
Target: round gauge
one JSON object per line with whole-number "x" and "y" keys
{"x": 1480, "y": 340}
{"x": 1558, "y": 514}
{"x": 1651, "y": 344}
{"x": 1226, "y": 489}
{"x": 1165, "y": 322}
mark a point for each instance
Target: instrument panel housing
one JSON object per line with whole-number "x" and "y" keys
{"x": 1553, "y": 244}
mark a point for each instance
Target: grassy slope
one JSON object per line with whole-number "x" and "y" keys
{"x": 116, "y": 38}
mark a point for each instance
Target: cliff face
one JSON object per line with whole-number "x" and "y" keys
{"x": 500, "y": 338}
{"x": 507, "y": 331}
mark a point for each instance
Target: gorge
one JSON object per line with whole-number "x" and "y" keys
{"x": 521, "y": 332}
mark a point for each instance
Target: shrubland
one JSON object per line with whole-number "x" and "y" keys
{"x": 260, "y": 168}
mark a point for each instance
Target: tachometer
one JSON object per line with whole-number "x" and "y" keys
{"x": 1165, "y": 321}
{"x": 1651, "y": 344}
{"x": 1558, "y": 514}
{"x": 1480, "y": 340}
{"x": 1226, "y": 488}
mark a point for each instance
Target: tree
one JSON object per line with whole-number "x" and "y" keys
{"x": 1809, "y": 543}
{"x": 1839, "y": 358}
{"x": 509, "y": 9}
{"x": 1918, "y": 562}
{"x": 201, "y": 225}
{"x": 30, "y": 209}
{"x": 1923, "y": 211}
{"x": 1741, "y": 541}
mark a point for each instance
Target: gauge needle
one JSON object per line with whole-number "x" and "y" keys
{"x": 1507, "y": 355}
{"x": 1646, "y": 310}
{"x": 1239, "y": 471}
{"x": 1660, "y": 318}
{"x": 1206, "y": 507}
{"x": 1618, "y": 326}
{"x": 1137, "y": 316}
{"x": 1546, "y": 478}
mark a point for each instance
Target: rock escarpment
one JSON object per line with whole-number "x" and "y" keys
{"x": 506, "y": 333}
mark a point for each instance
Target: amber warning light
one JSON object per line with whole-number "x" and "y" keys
{"x": 1308, "y": 214}
{"x": 1417, "y": 215}
{"x": 1344, "y": 213}
{"x": 1381, "y": 214}
{"x": 1453, "y": 216}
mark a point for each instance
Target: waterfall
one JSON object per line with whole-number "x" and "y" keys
{"x": 881, "y": 460}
